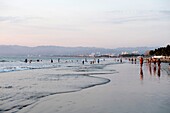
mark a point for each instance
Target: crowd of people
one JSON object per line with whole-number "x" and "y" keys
{"x": 52, "y": 61}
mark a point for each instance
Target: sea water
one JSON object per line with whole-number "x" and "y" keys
{"x": 8, "y": 64}
{"x": 22, "y": 84}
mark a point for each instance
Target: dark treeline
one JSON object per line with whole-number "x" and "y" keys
{"x": 130, "y": 55}
{"x": 165, "y": 51}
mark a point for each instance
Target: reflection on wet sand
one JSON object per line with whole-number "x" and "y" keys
{"x": 141, "y": 73}
{"x": 150, "y": 69}
{"x": 155, "y": 69}
{"x": 159, "y": 71}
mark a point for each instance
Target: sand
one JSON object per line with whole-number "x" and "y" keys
{"x": 127, "y": 92}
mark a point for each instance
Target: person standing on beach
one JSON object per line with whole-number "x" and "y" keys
{"x": 141, "y": 62}
{"x": 121, "y": 60}
{"x": 98, "y": 61}
{"x": 83, "y": 62}
{"x": 30, "y": 61}
{"x": 86, "y": 60}
{"x": 58, "y": 60}
{"x": 51, "y": 60}
{"x": 26, "y": 61}
{"x": 132, "y": 60}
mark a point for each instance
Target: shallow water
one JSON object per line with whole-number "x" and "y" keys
{"x": 20, "y": 89}
{"x": 11, "y": 64}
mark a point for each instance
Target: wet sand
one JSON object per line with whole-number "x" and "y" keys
{"x": 131, "y": 90}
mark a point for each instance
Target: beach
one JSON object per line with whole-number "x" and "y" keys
{"x": 107, "y": 87}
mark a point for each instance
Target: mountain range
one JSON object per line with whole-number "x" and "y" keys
{"x": 15, "y": 50}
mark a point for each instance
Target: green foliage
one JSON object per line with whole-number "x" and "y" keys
{"x": 165, "y": 51}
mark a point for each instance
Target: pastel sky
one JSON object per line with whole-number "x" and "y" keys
{"x": 89, "y": 23}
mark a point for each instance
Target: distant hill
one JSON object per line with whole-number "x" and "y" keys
{"x": 15, "y": 50}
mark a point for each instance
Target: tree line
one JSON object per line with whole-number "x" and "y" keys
{"x": 165, "y": 51}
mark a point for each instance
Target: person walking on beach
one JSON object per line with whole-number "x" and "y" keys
{"x": 141, "y": 62}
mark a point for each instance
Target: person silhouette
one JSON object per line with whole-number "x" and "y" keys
{"x": 51, "y": 60}
{"x": 121, "y": 60}
{"x": 26, "y": 61}
{"x": 141, "y": 62}
{"x": 98, "y": 61}
{"x": 135, "y": 60}
{"x": 132, "y": 60}
{"x": 58, "y": 59}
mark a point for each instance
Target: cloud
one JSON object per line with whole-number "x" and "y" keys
{"x": 121, "y": 17}
{"x": 17, "y": 19}
{"x": 38, "y": 23}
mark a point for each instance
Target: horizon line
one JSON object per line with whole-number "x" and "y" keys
{"x": 79, "y": 46}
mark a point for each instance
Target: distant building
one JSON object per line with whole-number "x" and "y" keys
{"x": 135, "y": 52}
{"x": 124, "y": 53}
{"x": 92, "y": 55}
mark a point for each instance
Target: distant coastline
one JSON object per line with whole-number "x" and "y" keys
{"x": 15, "y": 50}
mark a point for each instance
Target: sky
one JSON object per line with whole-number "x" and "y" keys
{"x": 87, "y": 23}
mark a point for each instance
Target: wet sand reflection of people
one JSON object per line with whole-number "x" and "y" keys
{"x": 159, "y": 67}
{"x": 159, "y": 72}
{"x": 159, "y": 62}
{"x": 150, "y": 69}
{"x": 154, "y": 69}
{"x": 141, "y": 73}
